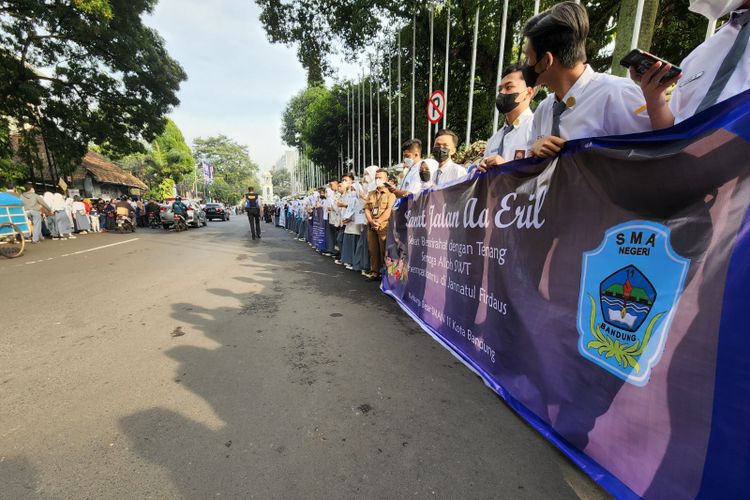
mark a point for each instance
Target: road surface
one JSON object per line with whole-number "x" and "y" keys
{"x": 206, "y": 365}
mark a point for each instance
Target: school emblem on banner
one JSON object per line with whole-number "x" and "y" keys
{"x": 630, "y": 287}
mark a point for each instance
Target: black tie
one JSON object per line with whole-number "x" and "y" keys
{"x": 729, "y": 63}
{"x": 557, "y": 109}
{"x": 506, "y": 131}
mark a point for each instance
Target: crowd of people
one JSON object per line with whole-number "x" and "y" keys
{"x": 581, "y": 104}
{"x": 58, "y": 217}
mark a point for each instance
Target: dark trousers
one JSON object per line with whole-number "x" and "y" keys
{"x": 253, "y": 216}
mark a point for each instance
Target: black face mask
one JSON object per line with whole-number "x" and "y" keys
{"x": 505, "y": 103}
{"x": 424, "y": 176}
{"x": 530, "y": 76}
{"x": 441, "y": 154}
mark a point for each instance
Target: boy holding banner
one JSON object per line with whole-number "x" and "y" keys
{"x": 582, "y": 103}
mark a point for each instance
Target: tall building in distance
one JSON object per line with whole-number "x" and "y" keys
{"x": 289, "y": 161}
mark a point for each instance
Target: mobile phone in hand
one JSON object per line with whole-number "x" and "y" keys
{"x": 641, "y": 61}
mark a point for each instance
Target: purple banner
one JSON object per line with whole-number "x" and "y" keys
{"x": 588, "y": 291}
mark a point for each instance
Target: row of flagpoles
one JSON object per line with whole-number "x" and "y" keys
{"x": 355, "y": 158}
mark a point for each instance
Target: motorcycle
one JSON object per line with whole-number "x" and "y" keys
{"x": 154, "y": 221}
{"x": 180, "y": 224}
{"x": 124, "y": 224}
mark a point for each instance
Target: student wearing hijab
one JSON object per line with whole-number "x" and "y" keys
{"x": 79, "y": 215}
{"x": 362, "y": 254}
{"x": 352, "y": 229}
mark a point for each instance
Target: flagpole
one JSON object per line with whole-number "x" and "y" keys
{"x": 471, "y": 77}
{"x": 447, "y": 60}
{"x": 377, "y": 93}
{"x": 372, "y": 134}
{"x": 500, "y": 61}
{"x": 413, "y": 70}
{"x": 398, "y": 145}
{"x": 429, "y": 84}
{"x": 390, "y": 105}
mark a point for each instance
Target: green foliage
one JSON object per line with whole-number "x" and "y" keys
{"x": 282, "y": 182}
{"x": 85, "y": 71}
{"x": 358, "y": 25}
{"x": 165, "y": 189}
{"x": 169, "y": 156}
{"x": 234, "y": 171}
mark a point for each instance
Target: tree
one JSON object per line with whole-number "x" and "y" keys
{"x": 169, "y": 157}
{"x": 282, "y": 182}
{"x": 81, "y": 71}
{"x": 357, "y": 26}
{"x": 234, "y": 171}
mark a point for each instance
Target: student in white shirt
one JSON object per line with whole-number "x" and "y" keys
{"x": 446, "y": 143}
{"x": 419, "y": 169}
{"x": 716, "y": 70}
{"x": 582, "y": 103}
{"x": 511, "y": 141}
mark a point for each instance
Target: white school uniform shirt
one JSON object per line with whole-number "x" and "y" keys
{"x": 516, "y": 140}
{"x": 449, "y": 172}
{"x": 700, "y": 67}
{"x": 598, "y": 105}
{"x": 412, "y": 182}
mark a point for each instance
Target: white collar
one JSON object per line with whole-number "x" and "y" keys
{"x": 574, "y": 94}
{"x": 526, "y": 114}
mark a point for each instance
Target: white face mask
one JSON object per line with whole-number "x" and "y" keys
{"x": 714, "y": 9}
{"x": 408, "y": 162}
{"x": 379, "y": 182}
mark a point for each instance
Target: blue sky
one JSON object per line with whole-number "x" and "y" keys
{"x": 238, "y": 82}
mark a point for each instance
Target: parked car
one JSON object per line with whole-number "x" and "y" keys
{"x": 216, "y": 211}
{"x": 196, "y": 217}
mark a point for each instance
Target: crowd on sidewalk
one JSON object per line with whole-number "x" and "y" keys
{"x": 57, "y": 217}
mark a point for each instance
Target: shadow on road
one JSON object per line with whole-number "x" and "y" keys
{"x": 18, "y": 478}
{"x": 299, "y": 405}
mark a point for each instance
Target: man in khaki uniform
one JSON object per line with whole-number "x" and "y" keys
{"x": 377, "y": 212}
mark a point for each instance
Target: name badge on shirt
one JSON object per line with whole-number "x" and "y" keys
{"x": 520, "y": 154}
{"x": 374, "y": 211}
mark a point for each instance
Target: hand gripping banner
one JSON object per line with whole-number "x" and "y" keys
{"x": 604, "y": 295}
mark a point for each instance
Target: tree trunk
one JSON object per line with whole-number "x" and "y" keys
{"x": 625, "y": 22}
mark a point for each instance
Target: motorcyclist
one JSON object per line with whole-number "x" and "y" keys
{"x": 122, "y": 205}
{"x": 152, "y": 210}
{"x": 179, "y": 208}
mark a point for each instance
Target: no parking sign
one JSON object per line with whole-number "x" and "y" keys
{"x": 436, "y": 106}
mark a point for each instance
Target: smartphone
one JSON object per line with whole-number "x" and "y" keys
{"x": 641, "y": 61}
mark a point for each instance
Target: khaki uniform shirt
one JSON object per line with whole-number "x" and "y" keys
{"x": 380, "y": 203}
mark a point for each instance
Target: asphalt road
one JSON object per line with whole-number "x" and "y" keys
{"x": 205, "y": 365}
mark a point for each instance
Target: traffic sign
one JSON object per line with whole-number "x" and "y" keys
{"x": 436, "y": 107}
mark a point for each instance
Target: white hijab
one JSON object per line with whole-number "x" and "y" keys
{"x": 369, "y": 179}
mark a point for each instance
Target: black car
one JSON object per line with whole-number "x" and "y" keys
{"x": 216, "y": 211}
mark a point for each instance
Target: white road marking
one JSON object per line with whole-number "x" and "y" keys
{"x": 101, "y": 247}
{"x": 84, "y": 251}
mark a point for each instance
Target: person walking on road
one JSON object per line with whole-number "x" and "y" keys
{"x": 253, "y": 206}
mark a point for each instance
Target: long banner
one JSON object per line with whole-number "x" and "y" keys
{"x": 604, "y": 295}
